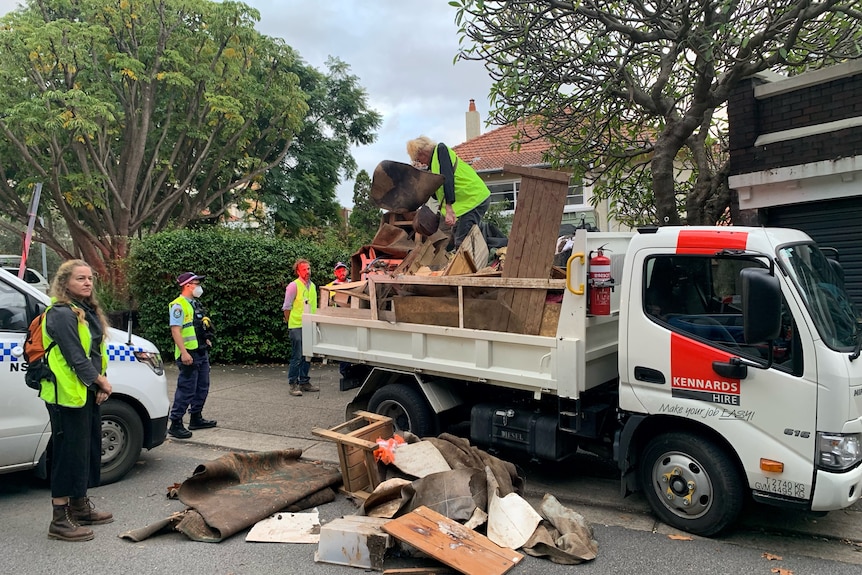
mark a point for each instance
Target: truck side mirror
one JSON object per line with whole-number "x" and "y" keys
{"x": 761, "y": 305}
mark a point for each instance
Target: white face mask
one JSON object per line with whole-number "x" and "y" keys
{"x": 198, "y": 291}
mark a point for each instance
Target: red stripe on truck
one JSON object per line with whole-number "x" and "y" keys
{"x": 710, "y": 241}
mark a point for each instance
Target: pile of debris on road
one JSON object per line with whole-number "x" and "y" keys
{"x": 435, "y": 497}
{"x": 444, "y": 498}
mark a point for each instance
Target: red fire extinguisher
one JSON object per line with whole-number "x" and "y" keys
{"x": 600, "y": 283}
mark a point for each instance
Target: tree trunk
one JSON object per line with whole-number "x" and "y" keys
{"x": 663, "y": 183}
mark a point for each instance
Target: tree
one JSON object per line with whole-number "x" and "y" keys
{"x": 301, "y": 190}
{"x": 365, "y": 217}
{"x": 139, "y": 116}
{"x": 630, "y": 93}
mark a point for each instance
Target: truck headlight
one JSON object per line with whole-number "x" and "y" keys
{"x": 838, "y": 451}
{"x": 153, "y": 360}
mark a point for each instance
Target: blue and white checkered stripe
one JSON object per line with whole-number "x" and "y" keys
{"x": 6, "y": 352}
{"x": 122, "y": 352}
{"x": 115, "y": 352}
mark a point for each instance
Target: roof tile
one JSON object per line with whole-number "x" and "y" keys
{"x": 492, "y": 150}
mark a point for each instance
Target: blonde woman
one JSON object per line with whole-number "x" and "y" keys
{"x": 74, "y": 332}
{"x": 464, "y": 198}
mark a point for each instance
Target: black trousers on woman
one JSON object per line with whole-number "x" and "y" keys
{"x": 76, "y": 453}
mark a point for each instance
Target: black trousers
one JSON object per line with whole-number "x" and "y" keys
{"x": 76, "y": 455}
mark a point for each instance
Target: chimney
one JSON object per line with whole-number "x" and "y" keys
{"x": 473, "y": 127}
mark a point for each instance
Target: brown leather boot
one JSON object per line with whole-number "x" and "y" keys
{"x": 84, "y": 512}
{"x": 64, "y": 528}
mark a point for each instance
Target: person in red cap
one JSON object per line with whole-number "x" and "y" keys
{"x": 340, "y": 272}
{"x": 191, "y": 332}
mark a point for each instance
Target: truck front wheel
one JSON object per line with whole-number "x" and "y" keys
{"x": 122, "y": 439}
{"x": 407, "y": 408}
{"x": 691, "y": 483}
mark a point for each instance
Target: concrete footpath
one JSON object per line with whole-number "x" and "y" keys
{"x": 255, "y": 412}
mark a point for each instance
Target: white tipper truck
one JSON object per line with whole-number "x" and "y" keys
{"x": 727, "y": 366}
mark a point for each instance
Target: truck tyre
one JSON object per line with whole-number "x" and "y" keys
{"x": 122, "y": 439}
{"x": 691, "y": 483}
{"x": 407, "y": 407}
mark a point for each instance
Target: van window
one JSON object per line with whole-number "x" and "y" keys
{"x": 13, "y": 309}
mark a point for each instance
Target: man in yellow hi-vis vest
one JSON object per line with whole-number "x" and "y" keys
{"x": 300, "y": 295}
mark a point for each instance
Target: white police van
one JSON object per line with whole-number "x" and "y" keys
{"x": 135, "y": 417}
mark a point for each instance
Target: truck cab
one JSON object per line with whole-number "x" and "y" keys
{"x": 724, "y": 362}
{"x": 708, "y": 407}
{"x": 134, "y": 418}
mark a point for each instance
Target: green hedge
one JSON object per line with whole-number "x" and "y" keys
{"x": 243, "y": 292}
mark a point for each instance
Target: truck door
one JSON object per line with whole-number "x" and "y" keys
{"x": 687, "y": 317}
{"x": 23, "y": 417}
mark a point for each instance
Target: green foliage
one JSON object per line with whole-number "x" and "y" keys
{"x": 619, "y": 87}
{"x": 365, "y": 217}
{"x": 501, "y": 215}
{"x": 139, "y": 117}
{"x": 301, "y": 190}
{"x": 247, "y": 274}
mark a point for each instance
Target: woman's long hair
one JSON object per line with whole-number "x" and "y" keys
{"x": 60, "y": 292}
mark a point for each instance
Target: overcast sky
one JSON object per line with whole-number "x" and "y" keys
{"x": 402, "y": 51}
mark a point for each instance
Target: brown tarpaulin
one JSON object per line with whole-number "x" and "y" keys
{"x": 237, "y": 490}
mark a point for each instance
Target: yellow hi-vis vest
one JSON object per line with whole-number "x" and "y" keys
{"x": 304, "y": 296}
{"x": 190, "y": 337}
{"x": 69, "y": 391}
{"x": 470, "y": 190}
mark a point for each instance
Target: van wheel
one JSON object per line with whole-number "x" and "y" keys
{"x": 691, "y": 483}
{"x": 407, "y": 407}
{"x": 122, "y": 439}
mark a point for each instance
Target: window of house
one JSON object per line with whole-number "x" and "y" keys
{"x": 505, "y": 193}
{"x": 575, "y": 194}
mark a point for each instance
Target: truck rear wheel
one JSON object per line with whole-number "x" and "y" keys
{"x": 691, "y": 483}
{"x": 407, "y": 408}
{"x": 122, "y": 439}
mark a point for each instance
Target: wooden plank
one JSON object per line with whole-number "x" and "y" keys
{"x": 484, "y": 314}
{"x": 451, "y": 543}
{"x": 460, "y": 265}
{"x": 487, "y": 281}
{"x": 534, "y": 233}
{"x": 419, "y": 571}
{"x": 550, "y": 319}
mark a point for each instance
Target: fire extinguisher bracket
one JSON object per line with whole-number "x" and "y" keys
{"x": 600, "y": 283}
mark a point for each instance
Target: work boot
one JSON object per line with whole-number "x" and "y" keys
{"x": 294, "y": 389}
{"x": 198, "y": 422}
{"x": 83, "y": 512}
{"x": 308, "y": 387}
{"x": 64, "y": 528}
{"x": 177, "y": 430}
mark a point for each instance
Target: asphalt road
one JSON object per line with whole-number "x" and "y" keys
{"x": 255, "y": 412}
{"x": 626, "y": 544}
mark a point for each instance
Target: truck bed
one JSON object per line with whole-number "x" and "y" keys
{"x": 460, "y": 327}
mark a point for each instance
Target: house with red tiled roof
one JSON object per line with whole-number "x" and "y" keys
{"x": 487, "y": 153}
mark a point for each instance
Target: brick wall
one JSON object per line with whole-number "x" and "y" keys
{"x": 809, "y": 105}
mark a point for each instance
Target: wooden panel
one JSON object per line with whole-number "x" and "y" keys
{"x": 530, "y": 253}
{"x": 451, "y": 543}
{"x": 483, "y": 314}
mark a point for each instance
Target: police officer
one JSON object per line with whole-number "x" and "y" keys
{"x": 191, "y": 332}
